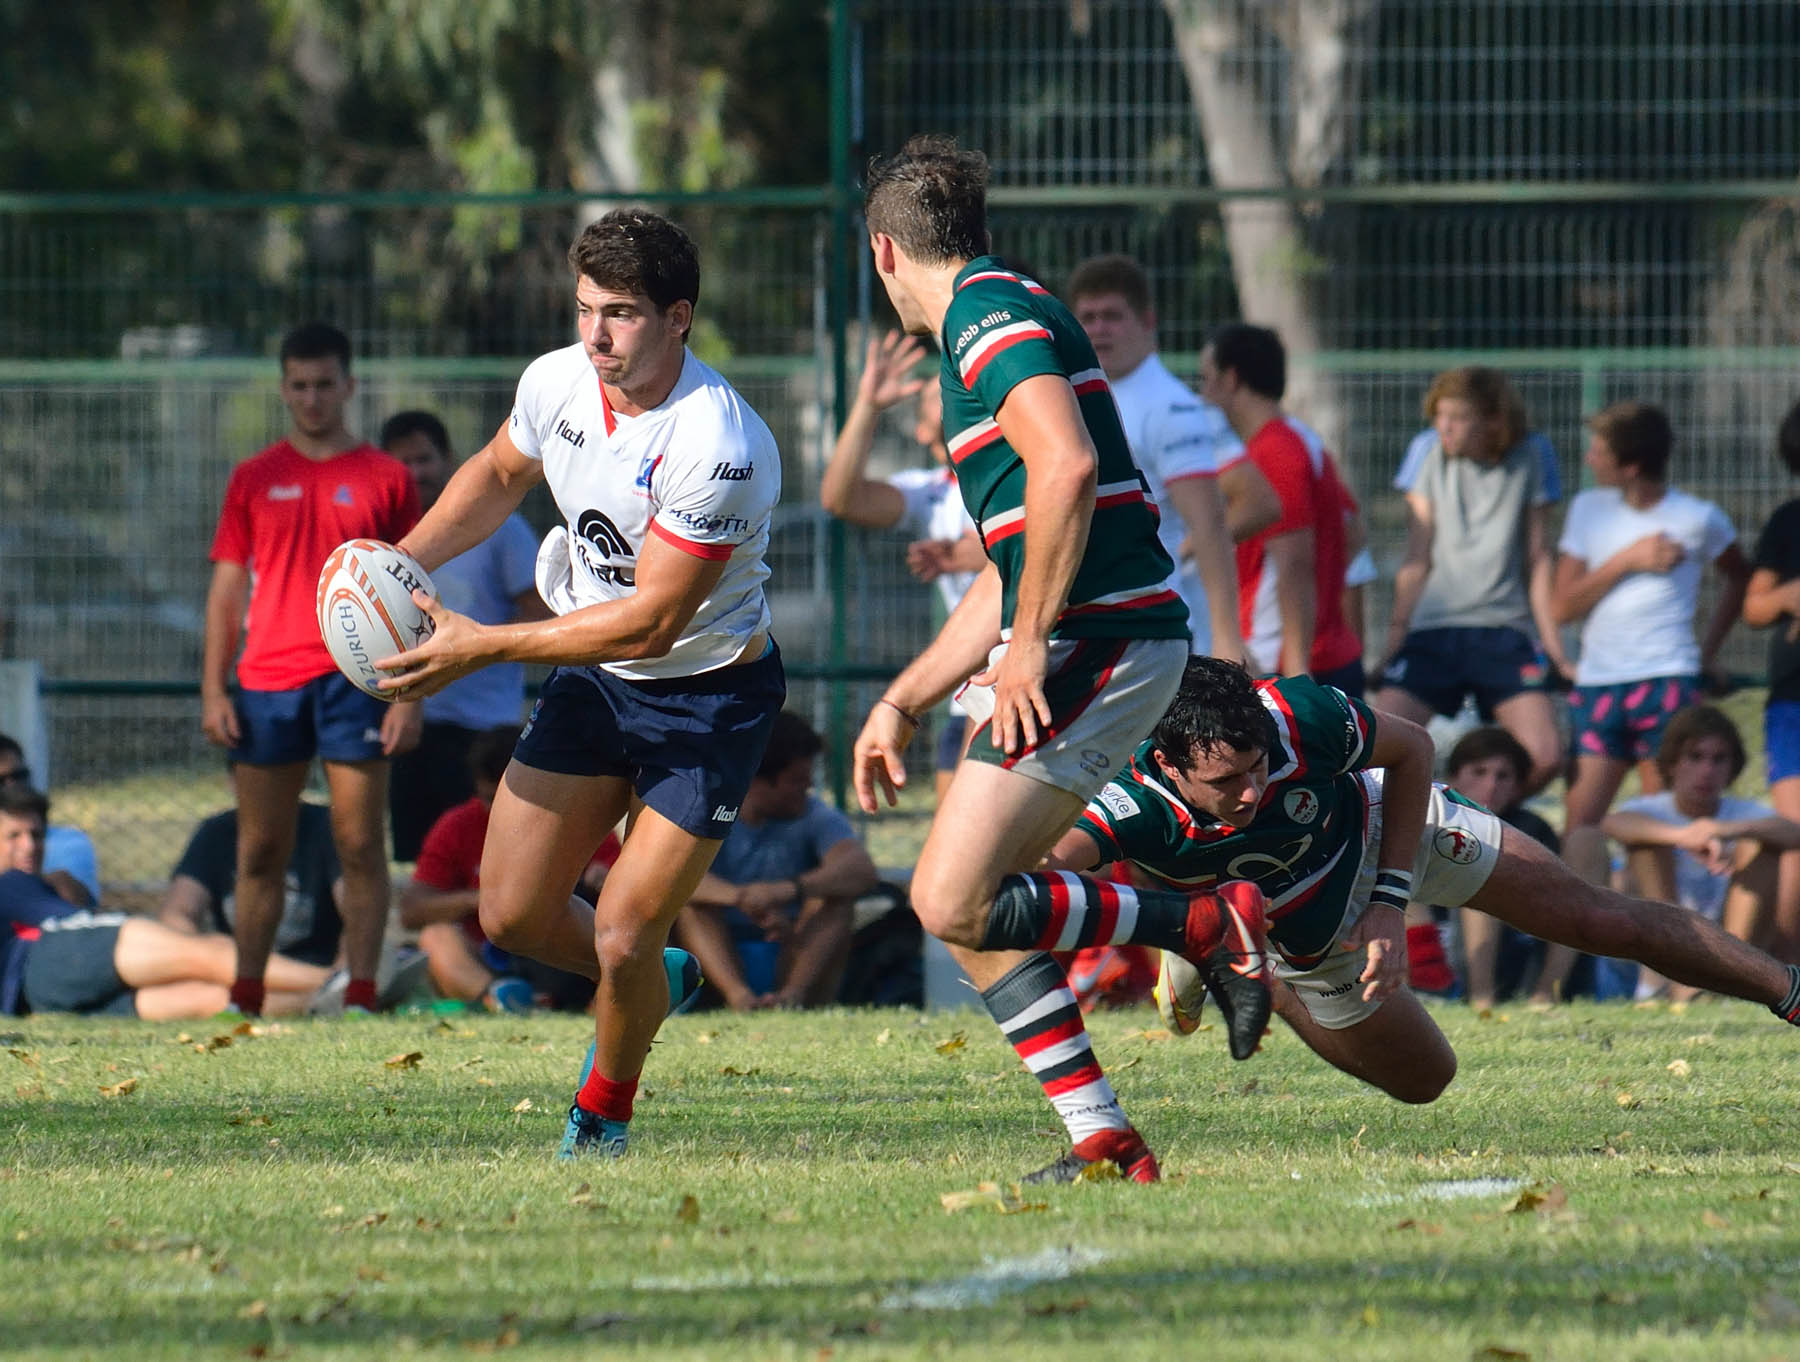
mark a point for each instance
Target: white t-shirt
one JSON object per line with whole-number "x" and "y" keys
{"x": 700, "y": 472}
{"x": 1696, "y": 886}
{"x": 1175, "y": 434}
{"x": 935, "y": 510}
{"x": 1644, "y": 626}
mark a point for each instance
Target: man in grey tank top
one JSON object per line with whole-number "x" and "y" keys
{"x": 1471, "y": 613}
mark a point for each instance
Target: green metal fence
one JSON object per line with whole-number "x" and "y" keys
{"x": 1597, "y": 198}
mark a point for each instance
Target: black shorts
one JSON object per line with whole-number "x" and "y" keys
{"x": 688, "y": 745}
{"x": 69, "y": 968}
{"x": 1443, "y": 666}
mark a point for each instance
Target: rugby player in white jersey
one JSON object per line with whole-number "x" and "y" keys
{"x": 666, "y": 683}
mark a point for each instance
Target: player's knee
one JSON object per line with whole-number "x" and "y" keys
{"x": 360, "y": 854}
{"x": 622, "y": 946}
{"x": 504, "y": 923}
{"x": 943, "y": 909}
{"x": 1424, "y": 1083}
{"x": 261, "y": 857}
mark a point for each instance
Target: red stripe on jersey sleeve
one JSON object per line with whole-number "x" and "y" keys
{"x": 713, "y": 553}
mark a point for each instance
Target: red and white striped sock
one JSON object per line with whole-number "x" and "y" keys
{"x": 1036, "y": 1009}
{"x": 1058, "y": 910}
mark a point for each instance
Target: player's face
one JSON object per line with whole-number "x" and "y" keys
{"x": 1122, "y": 337}
{"x": 1602, "y": 462}
{"x": 1702, "y": 773}
{"x": 1461, "y": 428}
{"x": 1225, "y": 783}
{"x": 316, "y": 392}
{"x": 429, "y": 465}
{"x": 1492, "y": 782}
{"x": 631, "y": 344}
{"x": 21, "y": 843}
{"x": 1212, "y": 382}
{"x": 913, "y": 320}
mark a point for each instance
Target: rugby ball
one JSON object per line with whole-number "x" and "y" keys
{"x": 366, "y": 609}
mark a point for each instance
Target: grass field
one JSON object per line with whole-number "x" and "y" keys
{"x": 1600, "y": 1182}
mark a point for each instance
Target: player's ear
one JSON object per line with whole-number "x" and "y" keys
{"x": 883, "y": 247}
{"x": 680, "y": 316}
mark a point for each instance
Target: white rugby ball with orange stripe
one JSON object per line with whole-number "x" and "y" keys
{"x": 366, "y": 609}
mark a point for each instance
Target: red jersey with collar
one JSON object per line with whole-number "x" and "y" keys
{"x": 283, "y": 515}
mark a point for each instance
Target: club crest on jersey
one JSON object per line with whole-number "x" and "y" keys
{"x": 343, "y": 496}
{"x": 1301, "y": 806}
{"x": 1457, "y": 846}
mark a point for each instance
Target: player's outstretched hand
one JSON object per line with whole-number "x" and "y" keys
{"x": 1020, "y": 706}
{"x": 879, "y": 757}
{"x": 457, "y": 646}
{"x": 1382, "y": 930}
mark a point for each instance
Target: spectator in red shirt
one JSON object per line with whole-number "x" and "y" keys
{"x": 1291, "y": 575}
{"x": 285, "y": 509}
{"x": 441, "y": 900}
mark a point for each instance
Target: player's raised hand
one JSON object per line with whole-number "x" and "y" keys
{"x": 887, "y": 375}
{"x": 879, "y": 757}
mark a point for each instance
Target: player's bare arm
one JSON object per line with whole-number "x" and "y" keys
{"x": 844, "y": 489}
{"x": 1409, "y": 577}
{"x": 226, "y": 599}
{"x": 1540, "y": 568}
{"x": 1734, "y": 568}
{"x": 486, "y": 489}
{"x": 1041, "y": 421}
{"x": 1296, "y": 598}
{"x": 1579, "y": 589}
{"x": 959, "y": 650}
{"x": 672, "y": 584}
{"x": 1251, "y": 505}
{"x": 1405, "y": 752}
{"x": 1201, "y": 505}
{"x": 1768, "y": 598}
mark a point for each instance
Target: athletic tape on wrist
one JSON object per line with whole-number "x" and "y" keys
{"x": 1393, "y": 889}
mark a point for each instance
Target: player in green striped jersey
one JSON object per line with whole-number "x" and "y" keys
{"x": 1072, "y": 640}
{"x": 1330, "y": 809}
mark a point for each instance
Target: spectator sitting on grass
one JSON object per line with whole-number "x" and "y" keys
{"x": 771, "y": 921}
{"x": 70, "y": 863}
{"x": 55, "y": 957}
{"x": 441, "y": 900}
{"x": 202, "y": 892}
{"x": 1698, "y": 846}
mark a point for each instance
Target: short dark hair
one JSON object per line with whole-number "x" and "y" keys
{"x": 1639, "y": 435}
{"x": 1255, "y": 354}
{"x": 1118, "y": 274}
{"x": 1490, "y": 740}
{"x": 1688, "y": 727}
{"x": 316, "y": 340}
{"x": 404, "y": 423}
{"x": 9, "y": 745}
{"x": 1787, "y": 439}
{"x": 791, "y": 740}
{"x": 1217, "y": 707}
{"x": 490, "y": 750}
{"x": 632, "y": 250}
{"x": 931, "y": 197}
{"x": 21, "y": 801}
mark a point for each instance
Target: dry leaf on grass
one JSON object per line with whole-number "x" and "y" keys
{"x": 1422, "y": 1226}
{"x": 1714, "y": 1221}
{"x": 523, "y": 1104}
{"x": 1627, "y": 1101}
{"x": 1494, "y": 1353}
{"x": 883, "y": 1036}
{"x": 409, "y": 1060}
{"x": 991, "y": 1196}
{"x": 1680, "y": 1068}
{"x": 951, "y": 1045}
{"x": 120, "y": 1089}
{"x": 1542, "y": 1200}
{"x": 688, "y": 1212}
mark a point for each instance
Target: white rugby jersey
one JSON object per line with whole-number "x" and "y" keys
{"x": 700, "y": 471}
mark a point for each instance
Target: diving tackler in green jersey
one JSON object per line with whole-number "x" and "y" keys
{"x": 1001, "y": 329}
